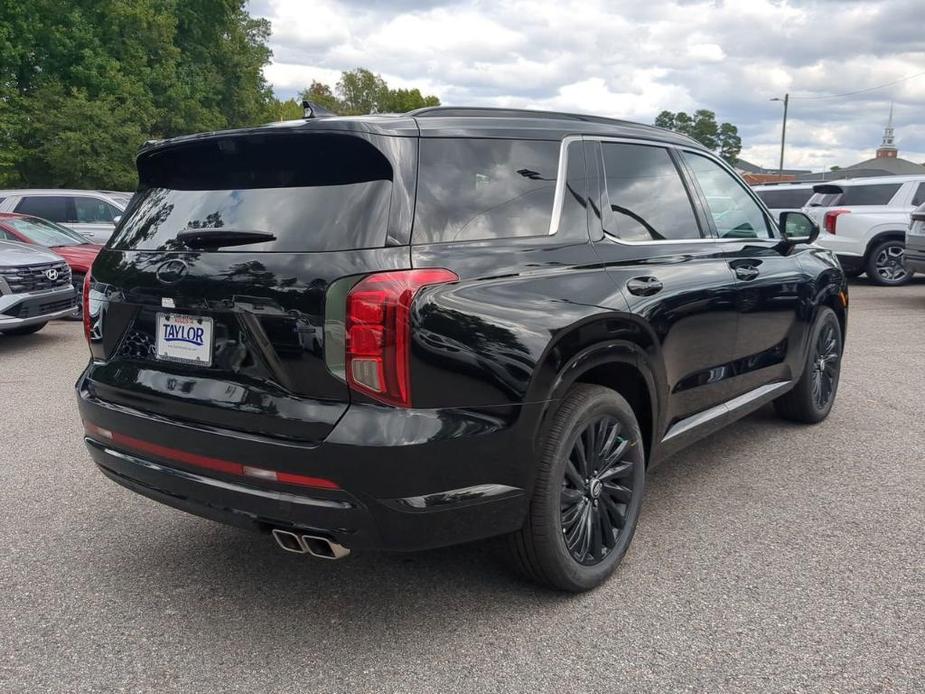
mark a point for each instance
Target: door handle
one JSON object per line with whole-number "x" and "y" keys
{"x": 644, "y": 286}
{"x": 746, "y": 272}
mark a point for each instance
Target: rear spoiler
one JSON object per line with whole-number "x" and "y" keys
{"x": 828, "y": 189}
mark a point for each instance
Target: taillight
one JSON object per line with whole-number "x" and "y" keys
{"x": 85, "y": 305}
{"x": 378, "y": 332}
{"x": 831, "y": 219}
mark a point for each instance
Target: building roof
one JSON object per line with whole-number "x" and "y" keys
{"x": 748, "y": 167}
{"x": 886, "y": 166}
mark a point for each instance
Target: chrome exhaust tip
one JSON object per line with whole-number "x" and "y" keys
{"x": 323, "y": 548}
{"x": 288, "y": 541}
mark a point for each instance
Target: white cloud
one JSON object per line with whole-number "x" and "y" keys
{"x": 632, "y": 59}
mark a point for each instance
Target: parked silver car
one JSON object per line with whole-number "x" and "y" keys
{"x": 91, "y": 213}
{"x": 35, "y": 287}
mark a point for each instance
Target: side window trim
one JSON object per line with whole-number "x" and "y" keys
{"x": 701, "y": 209}
{"x": 775, "y": 230}
{"x": 558, "y": 200}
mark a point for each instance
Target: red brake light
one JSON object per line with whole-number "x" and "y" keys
{"x": 85, "y": 305}
{"x": 378, "y": 332}
{"x": 831, "y": 219}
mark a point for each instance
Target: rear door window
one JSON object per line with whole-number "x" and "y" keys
{"x": 645, "y": 197}
{"x": 313, "y": 192}
{"x": 55, "y": 208}
{"x": 94, "y": 211}
{"x": 473, "y": 189}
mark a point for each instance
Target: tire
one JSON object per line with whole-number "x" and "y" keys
{"x": 884, "y": 265}
{"x": 812, "y": 398}
{"x": 592, "y": 418}
{"x": 24, "y": 330}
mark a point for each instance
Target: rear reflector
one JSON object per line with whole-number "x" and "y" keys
{"x": 378, "y": 332}
{"x": 207, "y": 462}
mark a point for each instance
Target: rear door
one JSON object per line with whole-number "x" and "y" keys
{"x": 769, "y": 278}
{"x": 657, "y": 248}
{"x": 235, "y": 336}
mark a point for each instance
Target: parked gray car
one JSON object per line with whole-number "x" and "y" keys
{"x": 35, "y": 287}
{"x": 91, "y": 213}
{"x": 915, "y": 241}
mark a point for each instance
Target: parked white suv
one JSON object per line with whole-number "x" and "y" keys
{"x": 91, "y": 213}
{"x": 864, "y": 221}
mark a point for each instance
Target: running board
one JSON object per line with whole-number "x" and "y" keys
{"x": 730, "y": 407}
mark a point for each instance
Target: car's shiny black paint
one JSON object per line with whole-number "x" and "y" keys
{"x": 492, "y": 354}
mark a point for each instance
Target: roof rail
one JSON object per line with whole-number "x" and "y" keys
{"x": 488, "y": 112}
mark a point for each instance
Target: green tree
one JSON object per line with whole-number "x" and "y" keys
{"x": 360, "y": 91}
{"x": 702, "y": 126}
{"x": 286, "y": 110}
{"x": 84, "y": 84}
{"x": 322, "y": 94}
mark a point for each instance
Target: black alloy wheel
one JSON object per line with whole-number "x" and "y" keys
{"x": 597, "y": 487}
{"x": 812, "y": 397}
{"x": 825, "y": 365}
{"x": 588, "y": 492}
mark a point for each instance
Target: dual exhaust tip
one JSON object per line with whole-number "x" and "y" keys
{"x": 315, "y": 545}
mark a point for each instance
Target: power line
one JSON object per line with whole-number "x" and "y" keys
{"x": 859, "y": 91}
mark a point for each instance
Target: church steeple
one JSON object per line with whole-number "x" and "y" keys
{"x": 887, "y": 149}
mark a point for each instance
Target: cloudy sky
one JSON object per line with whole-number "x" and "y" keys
{"x": 634, "y": 58}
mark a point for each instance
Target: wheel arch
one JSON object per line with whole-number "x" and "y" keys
{"x": 628, "y": 366}
{"x": 880, "y": 236}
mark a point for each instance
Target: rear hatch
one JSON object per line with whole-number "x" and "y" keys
{"x": 208, "y": 305}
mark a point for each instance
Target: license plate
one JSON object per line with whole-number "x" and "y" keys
{"x": 185, "y": 339}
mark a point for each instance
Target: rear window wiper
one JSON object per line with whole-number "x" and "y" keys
{"x": 217, "y": 238}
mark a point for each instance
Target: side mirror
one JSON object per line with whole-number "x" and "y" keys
{"x": 798, "y": 228}
{"x": 117, "y": 219}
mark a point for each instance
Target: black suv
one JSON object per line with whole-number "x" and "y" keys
{"x": 411, "y": 331}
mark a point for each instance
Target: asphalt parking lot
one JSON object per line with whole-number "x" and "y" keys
{"x": 770, "y": 557}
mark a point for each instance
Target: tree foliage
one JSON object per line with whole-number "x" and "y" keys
{"x": 83, "y": 84}
{"x": 722, "y": 138}
{"x": 361, "y": 91}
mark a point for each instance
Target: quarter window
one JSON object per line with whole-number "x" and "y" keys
{"x": 877, "y": 194}
{"x": 471, "y": 189}
{"x": 734, "y": 212}
{"x": 645, "y": 197}
{"x": 55, "y": 208}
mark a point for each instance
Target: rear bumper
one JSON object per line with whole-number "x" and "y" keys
{"x": 409, "y": 495}
{"x": 914, "y": 255}
{"x": 17, "y": 310}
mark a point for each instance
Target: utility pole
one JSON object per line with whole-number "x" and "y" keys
{"x": 783, "y": 133}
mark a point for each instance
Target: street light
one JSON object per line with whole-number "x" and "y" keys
{"x": 783, "y": 134}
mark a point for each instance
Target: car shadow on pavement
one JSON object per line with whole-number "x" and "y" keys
{"x": 217, "y": 575}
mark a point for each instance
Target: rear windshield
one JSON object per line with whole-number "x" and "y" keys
{"x": 790, "y": 198}
{"x": 312, "y": 192}
{"x": 874, "y": 194}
